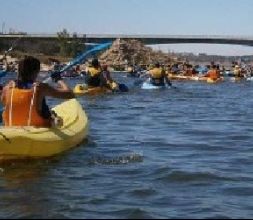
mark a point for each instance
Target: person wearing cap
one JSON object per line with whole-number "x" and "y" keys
{"x": 93, "y": 75}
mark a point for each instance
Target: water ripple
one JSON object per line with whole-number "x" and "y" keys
{"x": 125, "y": 159}
{"x": 187, "y": 177}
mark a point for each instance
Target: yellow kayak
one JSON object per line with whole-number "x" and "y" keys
{"x": 31, "y": 142}
{"x": 82, "y": 89}
{"x": 178, "y": 77}
{"x": 209, "y": 80}
{"x": 182, "y": 77}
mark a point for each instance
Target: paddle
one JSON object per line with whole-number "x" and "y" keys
{"x": 81, "y": 58}
{"x": 170, "y": 84}
{"x": 78, "y": 60}
{"x": 123, "y": 87}
{"x": 140, "y": 81}
{"x": 3, "y": 73}
{"x": 14, "y": 44}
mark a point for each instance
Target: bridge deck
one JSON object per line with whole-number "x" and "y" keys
{"x": 146, "y": 39}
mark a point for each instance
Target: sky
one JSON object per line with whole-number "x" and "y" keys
{"x": 176, "y": 17}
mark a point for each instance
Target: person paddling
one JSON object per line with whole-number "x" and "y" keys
{"x": 93, "y": 74}
{"x": 158, "y": 76}
{"x": 106, "y": 79}
{"x": 214, "y": 73}
{"x": 24, "y": 99}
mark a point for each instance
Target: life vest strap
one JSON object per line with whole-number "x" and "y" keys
{"x": 31, "y": 106}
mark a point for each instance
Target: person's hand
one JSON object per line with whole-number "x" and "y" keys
{"x": 56, "y": 76}
{"x": 114, "y": 86}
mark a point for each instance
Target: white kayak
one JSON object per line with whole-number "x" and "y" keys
{"x": 249, "y": 78}
{"x": 148, "y": 85}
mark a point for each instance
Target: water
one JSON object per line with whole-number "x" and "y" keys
{"x": 175, "y": 153}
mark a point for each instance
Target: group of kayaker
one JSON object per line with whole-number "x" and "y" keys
{"x": 24, "y": 98}
{"x": 187, "y": 71}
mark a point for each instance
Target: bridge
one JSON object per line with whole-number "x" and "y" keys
{"x": 146, "y": 39}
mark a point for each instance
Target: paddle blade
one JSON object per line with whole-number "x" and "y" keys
{"x": 3, "y": 74}
{"x": 83, "y": 56}
{"x": 123, "y": 88}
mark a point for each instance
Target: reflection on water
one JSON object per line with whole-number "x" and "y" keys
{"x": 184, "y": 153}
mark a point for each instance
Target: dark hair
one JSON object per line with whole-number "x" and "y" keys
{"x": 95, "y": 62}
{"x": 157, "y": 64}
{"x": 27, "y": 68}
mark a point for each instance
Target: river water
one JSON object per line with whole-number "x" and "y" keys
{"x": 172, "y": 153}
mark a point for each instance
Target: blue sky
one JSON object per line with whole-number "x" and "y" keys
{"x": 222, "y": 17}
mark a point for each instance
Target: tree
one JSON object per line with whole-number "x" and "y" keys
{"x": 75, "y": 45}
{"x": 69, "y": 46}
{"x": 63, "y": 37}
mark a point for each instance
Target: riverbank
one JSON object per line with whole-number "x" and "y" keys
{"x": 125, "y": 53}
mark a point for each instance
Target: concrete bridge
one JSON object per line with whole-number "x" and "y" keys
{"x": 146, "y": 39}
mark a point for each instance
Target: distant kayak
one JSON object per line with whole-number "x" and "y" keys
{"x": 83, "y": 89}
{"x": 178, "y": 77}
{"x": 249, "y": 78}
{"x": 148, "y": 85}
{"x": 209, "y": 80}
{"x": 236, "y": 79}
{"x": 183, "y": 78}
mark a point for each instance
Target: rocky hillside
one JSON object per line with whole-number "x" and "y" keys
{"x": 129, "y": 52}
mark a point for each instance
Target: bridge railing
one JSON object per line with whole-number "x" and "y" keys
{"x": 132, "y": 36}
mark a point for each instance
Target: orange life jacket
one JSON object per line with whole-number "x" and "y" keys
{"x": 20, "y": 108}
{"x": 213, "y": 74}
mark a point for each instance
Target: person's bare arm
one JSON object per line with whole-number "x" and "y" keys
{"x": 3, "y": 95}
{"x": 63, "y": 92}
{"x": 4, "y": 91}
